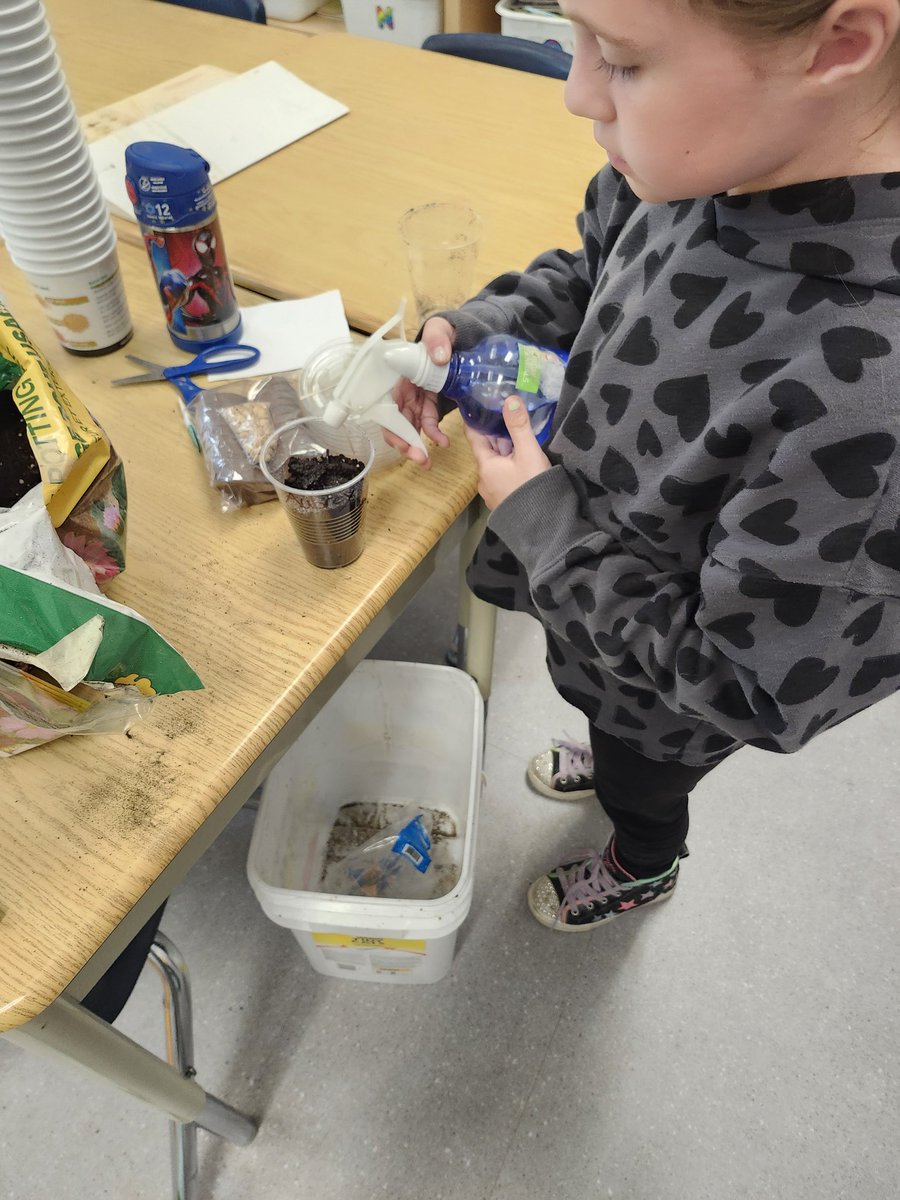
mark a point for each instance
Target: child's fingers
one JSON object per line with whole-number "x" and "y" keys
{"x": 515, "y": 415}
{"x": 482, "y": 449}
{"x": 437, "y": 338}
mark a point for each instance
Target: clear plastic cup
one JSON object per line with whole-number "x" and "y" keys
{"x": 329, "y": 522}
{"x": 321, "y": 374}
{"x": 441, "y": 241}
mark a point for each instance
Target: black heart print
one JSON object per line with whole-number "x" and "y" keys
{"x": 864, "y": 627}
{"x": 874, "y": 672}
{"x": 697, "y": 292}
{"x": 647, "y": 441}
{"x": 735, "y": 629}
{"x": 771, "y": 523}
{"x": 687, "y": 400}
{"x": 807, "y": 678}
{"x": 828, "y": 203}
{"x": 884, "y": 548}
{"x": 736, "y": 323}
{"x": 615, "y": 396}
{"x": 850, "y": 465}
{"x": 617, "y": 473}
{"x": 846, "y": 348}
{"x": 634, "y": 241}
{"x": 796, "y": 405}
{"x": 654, "y": 263}
{"x": 577, "y": 426}
{"x": 736, "y": 241}
{"x": 639, "y": 347}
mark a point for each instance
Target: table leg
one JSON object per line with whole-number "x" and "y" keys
{"x": 67, "y": 1030}
{"x": 477, "y": 619}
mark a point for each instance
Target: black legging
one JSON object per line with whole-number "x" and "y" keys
{"x": 646, "y": 800}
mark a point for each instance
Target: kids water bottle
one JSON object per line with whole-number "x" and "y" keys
{"x": 175, "y": 206}
{"x": 480, "y": 379}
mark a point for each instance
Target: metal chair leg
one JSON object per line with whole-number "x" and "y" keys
{"x": 168, "y": 961}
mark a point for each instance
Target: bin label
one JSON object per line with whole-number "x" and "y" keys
{"x": 353, "y": 941}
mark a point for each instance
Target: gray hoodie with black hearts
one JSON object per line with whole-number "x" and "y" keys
{"x": 715, "y": 551}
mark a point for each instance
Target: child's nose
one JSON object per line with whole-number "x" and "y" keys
{"x": 587, "y": 90}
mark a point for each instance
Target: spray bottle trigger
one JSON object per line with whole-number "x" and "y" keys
{"x": 389, "y": 417}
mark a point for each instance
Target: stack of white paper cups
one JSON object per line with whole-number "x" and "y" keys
{"x": 53, "y": 217}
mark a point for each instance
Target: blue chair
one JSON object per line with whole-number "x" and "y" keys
{"x": 503, "y": 51}
{"x": 245, "y": 10}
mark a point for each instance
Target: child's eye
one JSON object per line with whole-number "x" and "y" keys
{"x": 613, "y": 71}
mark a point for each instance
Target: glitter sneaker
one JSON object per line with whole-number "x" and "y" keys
{"x": 589, "y": 889}
{"x": 564, "y": 772}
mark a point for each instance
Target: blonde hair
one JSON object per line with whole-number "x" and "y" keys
{"x": 764, "y": 18}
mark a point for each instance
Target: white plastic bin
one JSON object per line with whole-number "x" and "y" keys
{"x": 535, "y": 27}
{"x": 400, "y": 732}
{"x": 408, "y": 22}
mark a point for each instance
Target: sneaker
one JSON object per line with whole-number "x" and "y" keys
{"x": 564, "y": 772}
{"x": 589, "y": 889}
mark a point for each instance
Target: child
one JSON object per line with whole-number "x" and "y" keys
{"x": 712, "y": 538}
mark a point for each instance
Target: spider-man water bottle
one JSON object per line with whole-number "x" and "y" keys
{"x": 176, "y": 210}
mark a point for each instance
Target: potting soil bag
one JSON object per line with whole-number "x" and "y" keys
{"x": 48, "y": 437}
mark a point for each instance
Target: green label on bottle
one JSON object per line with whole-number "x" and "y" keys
{"x": 528, "y": 377}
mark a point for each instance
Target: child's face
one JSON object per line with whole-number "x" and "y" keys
{"x": 683, "y": 107}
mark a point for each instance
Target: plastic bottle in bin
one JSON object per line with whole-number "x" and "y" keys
{"x": 174, "y": 203}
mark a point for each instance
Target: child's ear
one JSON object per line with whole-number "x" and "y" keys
{"x": 851, "y": 38}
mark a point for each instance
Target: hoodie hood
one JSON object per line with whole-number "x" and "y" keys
{"x": 814, "y": 230}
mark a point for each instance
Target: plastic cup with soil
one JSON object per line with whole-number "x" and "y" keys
{"x": 321, "y": 478}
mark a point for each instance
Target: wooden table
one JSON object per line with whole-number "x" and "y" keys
{"x": 97, "y": 831}
{"x": 323, "y": 212}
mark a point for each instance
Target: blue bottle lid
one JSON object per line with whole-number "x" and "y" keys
{"x": 168, "y": 185}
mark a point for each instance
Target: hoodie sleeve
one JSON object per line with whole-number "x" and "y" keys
{"x": 546, "y": 302}
{"x": 768, "y": 658}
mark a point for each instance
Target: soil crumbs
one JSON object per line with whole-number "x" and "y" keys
{"x": 315, "y": 473}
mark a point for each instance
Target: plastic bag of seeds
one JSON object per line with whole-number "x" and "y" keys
{"x": 232, "y": 423}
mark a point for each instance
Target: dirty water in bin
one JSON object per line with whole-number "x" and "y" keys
{"x": 359, "y": 822}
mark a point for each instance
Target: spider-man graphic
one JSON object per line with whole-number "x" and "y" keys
{"x": 195, "y": 290}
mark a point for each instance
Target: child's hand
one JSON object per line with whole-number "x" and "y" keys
{"x": 500, "y": 471}
{"x": 418, "y": 406}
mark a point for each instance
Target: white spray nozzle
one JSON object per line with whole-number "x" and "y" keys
{"x": 364, "y": 388}
{"x": 411, "y": 360}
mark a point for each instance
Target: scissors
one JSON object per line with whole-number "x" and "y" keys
{"x": 213, "y": 358}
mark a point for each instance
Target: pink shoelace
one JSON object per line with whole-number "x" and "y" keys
{"x": 590, "y": 880}
{"x": 575, "y": 758}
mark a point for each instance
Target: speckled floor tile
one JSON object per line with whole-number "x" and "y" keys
{"x": 739, "y": 1042}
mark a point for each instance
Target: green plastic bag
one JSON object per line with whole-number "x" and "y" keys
{"x": 71, "y": 660}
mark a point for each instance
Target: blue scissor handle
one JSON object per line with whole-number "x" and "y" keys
{"x": 214, "y": 358}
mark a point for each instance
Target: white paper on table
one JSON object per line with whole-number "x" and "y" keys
{"x": 232, "y": 124}
{"x": 288, "y": 332}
